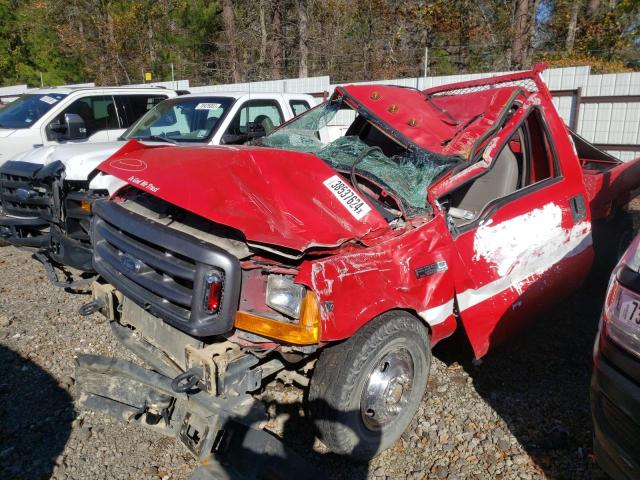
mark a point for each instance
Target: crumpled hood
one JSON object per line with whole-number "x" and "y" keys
{"x": 79, "y": 159}
{"x": 277, "y": 197}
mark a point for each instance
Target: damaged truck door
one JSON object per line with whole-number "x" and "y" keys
{"x": 521, "y": 226}
{"x": 337, "y": 258}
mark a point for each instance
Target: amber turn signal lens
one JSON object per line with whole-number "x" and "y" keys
{"x": 85, "y": 206}
{"x": 305, "y": 332}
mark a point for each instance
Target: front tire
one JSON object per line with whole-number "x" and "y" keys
{"x": 365, "y": 391}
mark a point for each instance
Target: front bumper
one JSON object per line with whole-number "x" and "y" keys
{"x": 24, "y": 232}
{"x": 615, "y": 407}
{"x": 218, "y": 421}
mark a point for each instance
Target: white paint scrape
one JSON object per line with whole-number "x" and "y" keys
{"x": 438, "y": 314}
{"x": 522, "y": 249}
{"x": 528, "y": 244}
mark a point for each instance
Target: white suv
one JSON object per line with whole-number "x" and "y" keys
{"x": 50, "y": 116}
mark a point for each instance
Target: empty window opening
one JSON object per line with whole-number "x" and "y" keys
{"x": 525, "y": 159}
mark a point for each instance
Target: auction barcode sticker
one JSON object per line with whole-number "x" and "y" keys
{"x": 207, "y": 106}
{"x": 354, "y": 204}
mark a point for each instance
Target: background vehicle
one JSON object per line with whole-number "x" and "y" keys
{"x": 342, "y": 259}
{"x": 615, "y": 384}
{"x": 50, "y": 116}
{"x": 61, "y": 182}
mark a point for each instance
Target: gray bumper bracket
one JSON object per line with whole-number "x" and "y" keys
{"x": 223, "y": 433}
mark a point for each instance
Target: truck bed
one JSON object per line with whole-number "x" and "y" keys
{"x": 610, "y": 182}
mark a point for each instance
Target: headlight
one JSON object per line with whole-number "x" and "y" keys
{"x": 284, "y": 296}
{"x": 86, "y": 206}
{"x": 79, "y": 203}
{"x": 622, "y": 317}
{"x": 304, "y": 331}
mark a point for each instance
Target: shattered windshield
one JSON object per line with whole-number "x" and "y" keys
{"x": 27, "y": 110}
{"x": 335, "y": 133}
{"x": 182, "y": 119}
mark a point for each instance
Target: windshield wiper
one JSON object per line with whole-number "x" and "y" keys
{"x": 158, "y": 138}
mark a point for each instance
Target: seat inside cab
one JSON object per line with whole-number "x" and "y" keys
{"x": 525, "y": 159}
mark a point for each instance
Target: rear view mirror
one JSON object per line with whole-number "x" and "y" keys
{"x": 255, "y": 130}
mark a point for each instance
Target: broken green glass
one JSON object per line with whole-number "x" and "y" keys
{"x": 320, "y": 131}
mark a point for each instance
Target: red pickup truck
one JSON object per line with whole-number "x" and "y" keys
{"x": 337, "y": 257}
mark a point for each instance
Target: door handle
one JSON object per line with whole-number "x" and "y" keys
{"x": 578, "y": 208}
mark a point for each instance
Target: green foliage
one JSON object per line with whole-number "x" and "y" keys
{"x": 29, "y": 48}
{"x": 201, "y": 18}
{"x": 116, "y": 41}
{"x": 611, "y": 35}
{"x": 7, "y": 40}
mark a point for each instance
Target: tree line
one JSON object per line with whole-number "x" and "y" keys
{"x": 117, "y": 41}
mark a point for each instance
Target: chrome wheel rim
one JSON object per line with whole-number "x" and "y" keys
{"x": 387, "y": 389}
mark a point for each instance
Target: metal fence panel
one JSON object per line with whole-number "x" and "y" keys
{"x": 173, "y": 85}
{"x": 564, "y": 105}
{"x": 613, "y": 84}
{"x": 13, "y": 90}
{"x": 289, "y": 85}
{"x": 613, "y": 121}
{"x": 568, "y": 78}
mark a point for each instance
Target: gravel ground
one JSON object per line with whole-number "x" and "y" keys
{"x": 522, "y": 413}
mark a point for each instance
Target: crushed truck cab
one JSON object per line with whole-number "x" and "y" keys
{"x": 338, "y": 261}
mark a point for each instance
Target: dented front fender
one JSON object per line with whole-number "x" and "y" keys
{"x": 411, "y": 271}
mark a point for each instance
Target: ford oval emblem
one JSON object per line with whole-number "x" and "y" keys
{"x": 130, "y": 264}
{"x": 23, "y": 194}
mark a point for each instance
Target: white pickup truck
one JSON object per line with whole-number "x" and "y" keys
{"x": 47, "y": 193}
{"x": 51, "y": 116}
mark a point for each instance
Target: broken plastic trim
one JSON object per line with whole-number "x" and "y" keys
{"x": 53, "y": 276}
{"x": 49, "y": 170}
